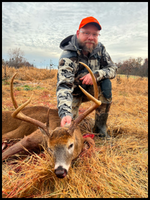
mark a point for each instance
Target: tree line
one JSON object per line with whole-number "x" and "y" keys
{"x": 16, "y": 59}
{"x": 134, "y": 67}
{"x": 128, "y": 67}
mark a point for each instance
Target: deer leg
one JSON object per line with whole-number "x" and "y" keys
{"x": 29, "y": 142}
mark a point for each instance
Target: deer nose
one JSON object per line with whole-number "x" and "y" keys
{"x": 60, "y": 172}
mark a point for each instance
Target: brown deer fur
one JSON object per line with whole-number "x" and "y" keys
{"x": 14, "y": 128}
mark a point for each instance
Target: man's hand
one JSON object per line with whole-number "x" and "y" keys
{"x": 66, "y": 119}
{"x": 87, "y": 79}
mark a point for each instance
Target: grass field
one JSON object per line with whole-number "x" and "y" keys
{"x": 117, "y": 168}
{"x": 130, "y": 76}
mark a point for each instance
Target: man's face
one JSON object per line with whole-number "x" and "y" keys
{"x": 87, "y": 37}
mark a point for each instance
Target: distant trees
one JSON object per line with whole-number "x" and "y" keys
{"x": 16, "y": 59}
{"x": 128, "y": 67}
{"x": 133, "y": 66}
{"x": 144, "y": 68}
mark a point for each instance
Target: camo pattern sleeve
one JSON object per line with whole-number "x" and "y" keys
{"x": 65, "y": 79}
{"x": 108, "y": 68}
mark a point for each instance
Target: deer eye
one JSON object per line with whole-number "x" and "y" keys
{"x": 70, "y": 146}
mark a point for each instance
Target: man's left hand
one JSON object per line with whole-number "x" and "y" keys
{"x": 87, "y": 79}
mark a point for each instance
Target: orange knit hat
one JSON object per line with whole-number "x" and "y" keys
{"x": 88, "y": 20}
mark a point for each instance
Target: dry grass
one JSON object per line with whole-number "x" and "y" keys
{"x": 29, "y": 73}
{"x": 118, "y": 168}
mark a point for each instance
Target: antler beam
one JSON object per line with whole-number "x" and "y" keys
{"x": 19, "y": 115}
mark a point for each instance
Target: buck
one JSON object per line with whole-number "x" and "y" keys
{"x": 64, "y": 143}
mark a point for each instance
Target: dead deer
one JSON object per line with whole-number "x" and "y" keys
{"x": 64, "y": 143}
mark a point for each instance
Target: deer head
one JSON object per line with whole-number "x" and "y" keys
{"x": 64, "y": 143}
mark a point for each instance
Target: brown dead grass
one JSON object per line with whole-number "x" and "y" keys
{"x": 29, "y": 73}
{"x": 117, "y": 169}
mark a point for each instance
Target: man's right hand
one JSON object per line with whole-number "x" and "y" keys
{"x": 66, "y": 119}
{"x": 87, "y": 79}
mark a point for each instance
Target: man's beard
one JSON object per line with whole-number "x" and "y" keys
{"x": 86, "y": 47}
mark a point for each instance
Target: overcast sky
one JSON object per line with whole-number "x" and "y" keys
{"x": 37, "y": 28}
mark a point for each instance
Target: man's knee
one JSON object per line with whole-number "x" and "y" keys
{"x": 106, "y": 88}
{"x": 105, "y": 96}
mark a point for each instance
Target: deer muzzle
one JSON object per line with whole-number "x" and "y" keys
{"x": 63, "y": 160}
{"x": 60, "y": 172}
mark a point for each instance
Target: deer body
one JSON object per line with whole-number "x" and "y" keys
{"x": 14, "y": 128}
{"x": 64, "y": 143}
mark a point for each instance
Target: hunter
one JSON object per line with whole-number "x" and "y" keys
{"x": 84, "y": 47}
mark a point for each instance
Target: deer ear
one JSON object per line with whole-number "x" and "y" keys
{"x": 48, "y": 133}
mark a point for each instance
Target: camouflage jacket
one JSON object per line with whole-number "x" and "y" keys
{"x": 69, "y": 71}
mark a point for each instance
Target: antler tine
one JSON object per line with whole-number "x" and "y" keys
{"x": 12, "y": 92}
{"x": 90, "y": 96}
{"x": 19, "y": 115}
{"x": 47, "y": 123}
{"x": 94, "y": 81}
{"x": 97, "y": 103}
